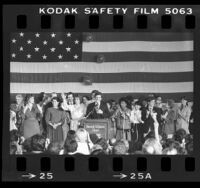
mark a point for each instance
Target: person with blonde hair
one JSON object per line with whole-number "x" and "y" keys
{"x": 83, "y": 140}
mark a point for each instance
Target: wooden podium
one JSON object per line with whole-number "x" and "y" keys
{"x": 101, "y": 127}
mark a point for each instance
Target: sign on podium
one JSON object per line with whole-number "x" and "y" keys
{"x": 99, "y": 127}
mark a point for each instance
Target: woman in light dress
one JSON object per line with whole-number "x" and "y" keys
{"x": 77, "y": 111}
{"x": 184, "y": 113}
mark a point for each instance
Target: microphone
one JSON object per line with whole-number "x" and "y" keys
{"x": 95, "y": 106}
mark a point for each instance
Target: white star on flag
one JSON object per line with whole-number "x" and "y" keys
{"x": 76, "y": 41}
{"x": 60, "y": 42}
{"x": 13, "y": 55}
{"x": 45, "y": 42}
{"x": 69, "y": 34}
{"x": 29, "y": 41}
{"x": 36, "y": 49}
{"x": 60, "y": 56}
{"x": 14, "y": 40}
{"x": 21, "y": 34}
{"x": 37, "y": 35}
{"x": 68, "y": 49}
{"x": 53, "y": 35}
{"x": 44, "y": 56}
{"x": 52, "y": 49}
{"x": 21, "y": 48}
{"x": 28, "y": 56}
{"x": 75, "y": 56}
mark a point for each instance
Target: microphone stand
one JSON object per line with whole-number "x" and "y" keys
{"x": 92, "y": 111}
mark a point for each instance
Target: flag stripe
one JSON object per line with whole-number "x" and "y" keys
{"x": 139, "y": 56}
{"x": 108, "y": 67}
{"x": 134, "y": 63}
{"x": 128, "y": 87}
{"x": 138, "y": 46}
{"x": 144, "y": 36}
{"x": 101, "y": 77}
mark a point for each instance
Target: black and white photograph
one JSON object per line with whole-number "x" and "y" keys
{"x": 101, "y": 93}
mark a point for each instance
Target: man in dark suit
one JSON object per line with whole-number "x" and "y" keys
{"x": 147, "y": 115}
{"x": 97, "y": 109}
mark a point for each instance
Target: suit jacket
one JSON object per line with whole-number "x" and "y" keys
{"x": 92, "y": 114}
{"x": 148, "y": 121}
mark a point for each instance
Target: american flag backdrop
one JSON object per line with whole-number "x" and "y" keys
{"x": 133, "y": 63}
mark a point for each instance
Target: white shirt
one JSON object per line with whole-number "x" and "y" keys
{"x": 136, "y": 116}
{"x": 83, "y": 148}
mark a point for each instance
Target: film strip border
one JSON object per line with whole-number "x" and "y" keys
{"x": 65, "y": 168}
{"x": 104, "y": 168}
{"x": 93, "y": 163}
{"x": 94, "y": 22}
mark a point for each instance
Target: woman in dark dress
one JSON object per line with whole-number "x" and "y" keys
{"x": 55, "y": 119}
{"x": 31, "y": 117}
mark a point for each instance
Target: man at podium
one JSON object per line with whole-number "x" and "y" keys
{"x": 97, "y": 109}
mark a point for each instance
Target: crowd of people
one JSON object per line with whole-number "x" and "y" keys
{"x": 52, "y": 123}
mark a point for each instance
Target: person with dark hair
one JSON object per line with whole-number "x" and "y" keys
{"x": 68, "y": 103}
{"x": 159, "y": 111}
{"x": 70, "y": 147}
{"x": 55, "y": 119}
{"x": 92, "y": 96}
{"x": 170, "y": 118}
{"x": 119, "y": 148}
{"x": 14, "y": 136}
{"x": 43, "y": 104}
{"x": 129, "y": 100}
{"x": 13, "y": 149}
{"x": 123, "y": 122}
{"x": 97, "y": 109}
{"x": 54, "y": 148}
{"x": 15, "y": 140}
{"x": 103, "y": 143}
{"x": 98, "y": 152}
{"x": 189, "y": 144}
{"x": 18, "y": 107}
{"x": 180, "y": 136}
{"x": 70, "y": 98}
{"x": 113, "y": 106}
{"x": 26, "y": 145}
{"x": 38, "y": 143}
{"x": 183, "y": 118}
{"x": 32, "y": 116}
{"x": 147, "y": 116}
{"x": 191, "y": 121}
{"x": 136, "y": 120}
{"x": 40, "y": 97}
{"x": 134, "y": 147}
{"x": 85, "y": 99}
